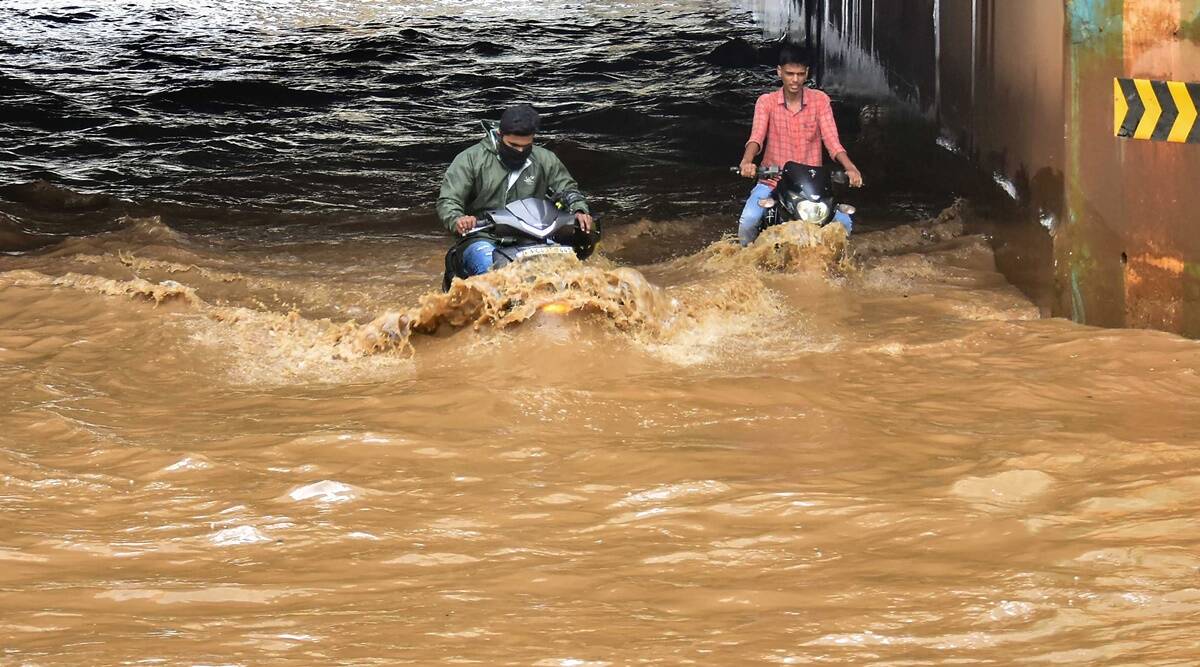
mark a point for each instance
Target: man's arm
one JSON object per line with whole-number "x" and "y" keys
{"x": 456, "y": 188}
{"x": 833, "y": 144}
{"x": 747, "y": 163}
{"x": 758, "y": 136}
{"x": 559, "y": 180}
{"x": 856, "y": 179}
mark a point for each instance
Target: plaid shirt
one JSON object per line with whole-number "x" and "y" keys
{"x": 795, "y": 136}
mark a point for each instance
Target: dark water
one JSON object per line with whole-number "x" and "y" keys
{"x": 352, "y": 111}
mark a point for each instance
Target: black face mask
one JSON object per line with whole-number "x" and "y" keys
{"x": 513, "y": 158}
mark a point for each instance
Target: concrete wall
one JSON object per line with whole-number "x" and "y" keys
{"x": 1107, "y": 226}
{"x": 1002, "y": 98}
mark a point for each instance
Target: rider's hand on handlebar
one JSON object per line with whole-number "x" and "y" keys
{"x": 585, "y": 221}
{"x": 464, "y": 224}
{"x": 749, "y": 170}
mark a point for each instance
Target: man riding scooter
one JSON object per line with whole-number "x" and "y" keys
{"x": 504, "y": 167}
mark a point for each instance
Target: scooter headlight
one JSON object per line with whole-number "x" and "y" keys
{"x": 813, "y": 211}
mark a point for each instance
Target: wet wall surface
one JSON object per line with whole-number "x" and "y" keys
{"x": 1101, "y": 229}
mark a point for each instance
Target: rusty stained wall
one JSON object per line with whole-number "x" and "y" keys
{"x": 1129, "y": 251}
{"x": 1108, "y": 229}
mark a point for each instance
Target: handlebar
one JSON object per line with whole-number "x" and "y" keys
{"x": 482, "y": 224}
{"x": 763, "y": 173}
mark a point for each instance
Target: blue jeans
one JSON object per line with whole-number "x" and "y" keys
{"x": 846, "y": 220}
{"x": 750, "y": 224}
{"x": 477, "y": 258}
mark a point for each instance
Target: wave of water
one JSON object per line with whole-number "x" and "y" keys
{"x": 848, "y": 450}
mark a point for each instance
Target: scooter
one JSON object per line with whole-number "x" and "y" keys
{"x": 804, "y": 193}
{"x": 525, "y": 229}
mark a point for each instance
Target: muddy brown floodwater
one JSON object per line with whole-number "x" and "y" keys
{"x": 302, "y": 453}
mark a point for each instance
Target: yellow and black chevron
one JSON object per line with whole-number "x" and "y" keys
{"x": 1157, "y": 110}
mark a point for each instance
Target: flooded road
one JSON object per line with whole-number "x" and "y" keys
{"x": 888, "y": 461}
{"x": 245, "y": 438}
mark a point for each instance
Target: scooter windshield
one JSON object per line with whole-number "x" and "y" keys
{"x": 535, "y": 212}
{"x": 812, "y": 183}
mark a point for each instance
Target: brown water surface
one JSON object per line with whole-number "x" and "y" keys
{"x": 800, "y": 454}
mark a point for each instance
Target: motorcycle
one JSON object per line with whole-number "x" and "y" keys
{"x": 804, "y": 193}
{"x": 525, "y": 229}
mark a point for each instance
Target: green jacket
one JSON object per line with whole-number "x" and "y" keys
{"x": 477, "y": 181}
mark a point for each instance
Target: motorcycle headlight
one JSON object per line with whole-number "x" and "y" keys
{"x": 813, "y": 211}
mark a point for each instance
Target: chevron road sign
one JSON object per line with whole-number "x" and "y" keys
{"x": 1157, "y": 110}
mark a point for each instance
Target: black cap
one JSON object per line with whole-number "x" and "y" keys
{"x": 521, "y": 119}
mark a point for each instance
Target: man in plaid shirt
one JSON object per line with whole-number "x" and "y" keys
{"x": 793, "y": 122}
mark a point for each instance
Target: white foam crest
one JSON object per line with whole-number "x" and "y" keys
{"x": 238, "y": 536}
{"x": 670, "y": 492}
{"x": 325, "y": 492}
